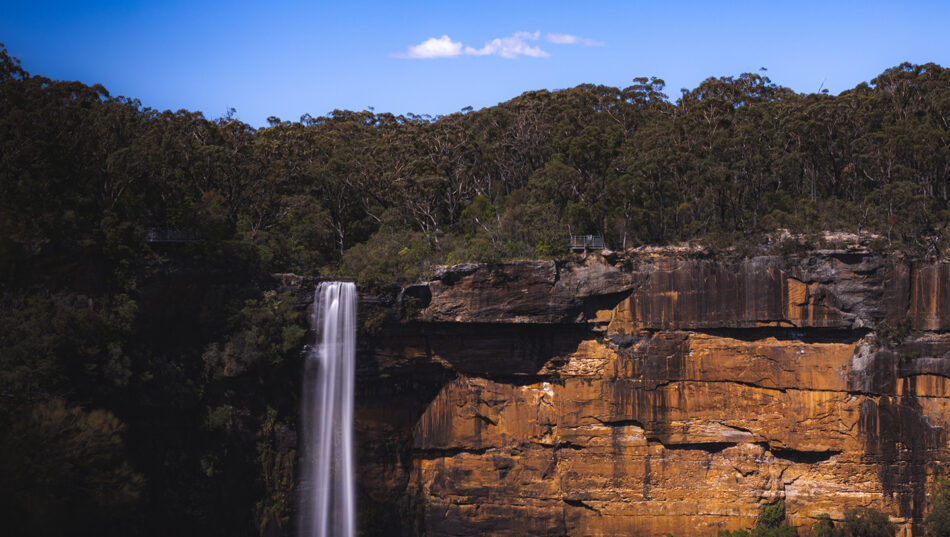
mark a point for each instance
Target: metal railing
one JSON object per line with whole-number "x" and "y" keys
{"x": 171, "y": 235}
{"x": 580, "y": 243}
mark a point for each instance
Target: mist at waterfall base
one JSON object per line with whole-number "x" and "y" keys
{"x": 327, "y": 487}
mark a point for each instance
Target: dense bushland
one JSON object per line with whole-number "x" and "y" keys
{"x": 151, "y": 389}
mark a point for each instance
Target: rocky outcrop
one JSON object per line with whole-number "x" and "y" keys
{"x": 640, "y": 396}
{"x": 524, "y": 292}
{"x": 836, "y": 290}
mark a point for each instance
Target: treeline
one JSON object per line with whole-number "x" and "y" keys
{"x": 725, "y": 162}
{"x": 151, "y": 389}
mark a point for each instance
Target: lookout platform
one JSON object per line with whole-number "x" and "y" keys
{"x": 170, "y": 235}
{"x": 584, "y": 243}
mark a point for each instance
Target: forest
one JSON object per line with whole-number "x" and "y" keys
{"x": 151, "y": 388}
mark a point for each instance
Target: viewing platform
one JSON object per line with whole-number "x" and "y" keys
{"x": 170, "y": 236}
{"x": 584, "y": 243}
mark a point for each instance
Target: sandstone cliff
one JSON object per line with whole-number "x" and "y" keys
{"x": 653, "y": 394}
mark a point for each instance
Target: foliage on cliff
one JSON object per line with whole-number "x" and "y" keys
{"x": 771, "y": 523}
{"x": 866, "y": 522}
{"x": 938, "y": 521}
{"x": 153, "y": 383}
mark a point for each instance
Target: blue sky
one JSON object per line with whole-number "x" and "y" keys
{"x": 288, "y": 58}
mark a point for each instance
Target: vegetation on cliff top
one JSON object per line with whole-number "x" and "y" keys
{"x": 157, "y": 381}
{"x": 381, "y": 196}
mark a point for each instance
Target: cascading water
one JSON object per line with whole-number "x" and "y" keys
{"x": 328, "y": 499}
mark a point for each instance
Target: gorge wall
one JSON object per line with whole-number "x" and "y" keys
{"x": 641, "y": 395}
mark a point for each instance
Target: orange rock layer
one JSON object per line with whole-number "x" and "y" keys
{"x": 678, "y": 397}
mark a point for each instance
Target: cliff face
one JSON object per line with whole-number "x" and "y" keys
{"x": 641, "y": 396}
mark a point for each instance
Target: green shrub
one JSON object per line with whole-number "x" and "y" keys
{"x": 866, "y": 522}
{"x": 389, "y": 257}
{"x": 772, "y": 515}
{"x": 265, "y": 334}
{"x": 771, "y": 523}
{"x": 891, "y": 335}
{"x": 277, "y": 464}
{"x": 938, "y": 521}
{"x": 823, "y": 526}
{"x": 64, "y": 472}
{"x": 735, "y": 533}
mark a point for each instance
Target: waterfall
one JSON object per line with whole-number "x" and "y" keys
{"x": 328, "y": 495}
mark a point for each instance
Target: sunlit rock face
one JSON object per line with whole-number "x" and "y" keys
{"x": 655, "y": 394}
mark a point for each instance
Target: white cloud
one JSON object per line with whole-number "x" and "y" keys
{"x": 510, "y": 47}
{"x": 568, "y": 39}
{"x": 442, "y": 47}
{"x": 518, "y": 44}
